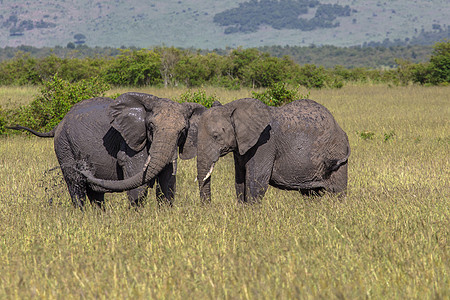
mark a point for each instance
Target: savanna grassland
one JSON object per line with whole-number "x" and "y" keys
{"x": 389, "y": 238}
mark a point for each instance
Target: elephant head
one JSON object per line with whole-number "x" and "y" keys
{"x": 166, "y": 125}
{"x": 236, "y": 126}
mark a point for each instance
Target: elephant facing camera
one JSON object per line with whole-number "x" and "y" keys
{"x": 127, "y": 144}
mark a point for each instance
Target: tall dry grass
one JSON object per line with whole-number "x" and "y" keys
{"x": 389, "y": 238}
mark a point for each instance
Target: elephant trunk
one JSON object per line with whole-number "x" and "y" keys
{"x": 204, "y": 170}
{"x": 162, "y": 152}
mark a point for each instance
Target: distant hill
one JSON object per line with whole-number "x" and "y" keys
{"x": 219, "y": 24}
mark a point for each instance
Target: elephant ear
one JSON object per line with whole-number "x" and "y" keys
{"x": 189, "y": 148}
{"x": 216, "y": 104}
{"x": 128, "y": 115}
{"x": 249, "y": 118}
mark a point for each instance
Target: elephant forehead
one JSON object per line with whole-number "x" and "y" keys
{"x": 170, "y": 118}
{"x": 214, "y": 122}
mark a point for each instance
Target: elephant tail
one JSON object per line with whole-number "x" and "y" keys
{"x": 37, "y": 133}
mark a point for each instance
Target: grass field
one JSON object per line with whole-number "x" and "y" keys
{"x": 389, "y": 238}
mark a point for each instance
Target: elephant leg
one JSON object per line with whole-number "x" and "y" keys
{"x": 239, "y": 173}
{"x": 337, "y": 183}
{"x": 137, "y": 196}
{"x": 127, "y": 166}
{"x": 76, "y": 187}
{"x": 97, "y": 198}
{"x": 257, "y": 177}
{"x": 165, "y": 189}
{"x": 78, "y": 196}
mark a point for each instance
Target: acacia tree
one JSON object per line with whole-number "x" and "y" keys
{"x": 79, "y": 38}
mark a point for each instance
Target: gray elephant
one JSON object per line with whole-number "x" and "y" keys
{"x": 115, "y": 139}
{"x": 298, "y": 146}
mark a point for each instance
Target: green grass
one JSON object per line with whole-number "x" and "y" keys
{"x": 389, "y": 238}
{"x": 15, "y": 96}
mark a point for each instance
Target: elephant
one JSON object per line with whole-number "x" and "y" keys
{"x": 115, "y": 139}
{"x": 298, "y": 146}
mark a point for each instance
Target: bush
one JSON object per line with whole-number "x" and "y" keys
{"x": 24, "y": 69}
{"x": 311, "y": 76}
{"x": 366, "y": 135}
{"x": 279, "y": 94}
{"x": 440, "y": 63}
{"x": 135, "y": 68}
{"x": 266, "y": 71}
{"x": 21, "y": 70}
{"x": 199, "y": 97}
{"x": 56, "y": 98}
{"x": 195, "y": 70}
{"x": 437, "y": 70}
{"x": 3, "y": 118}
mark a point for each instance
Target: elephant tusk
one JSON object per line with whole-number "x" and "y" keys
{"x": 196, "y": 179}
{"x": 146, "y": 163}
{"x": 174, "y": 167}
{"x": 209, "y": 173}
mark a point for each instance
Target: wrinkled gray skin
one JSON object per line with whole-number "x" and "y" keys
{"x": 111, "y": 140}
{"x": 298, "y": 146}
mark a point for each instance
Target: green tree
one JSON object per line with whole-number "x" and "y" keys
{"x": 169, "y": 59}
{"x": 312, "y": 76}
{"x": 440, "y": 63}
{"x": 20, "y": 70}
{"x": 266, "y": 70}
{"x": 135, "y": 67}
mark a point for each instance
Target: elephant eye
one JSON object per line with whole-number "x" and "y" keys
{"x": 150, "y": 124}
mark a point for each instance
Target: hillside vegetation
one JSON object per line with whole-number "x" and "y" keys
{"x": 198, "y": 24}
{"x": 284, "y": 14}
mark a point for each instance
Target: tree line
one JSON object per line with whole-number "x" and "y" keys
{"x": 327, "y": 56}
{"x": 169, "y": 66}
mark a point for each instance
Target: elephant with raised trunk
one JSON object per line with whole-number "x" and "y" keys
{"x": 298, "y": 146}
{"x": 133, "y": 139}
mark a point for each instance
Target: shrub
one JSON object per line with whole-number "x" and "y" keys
{"x": 437, "y": 70}
{"x": 421, "y": 73}
{"x": 24, "y": 69}
{"x": 279, "y": 94}
{"x": 389, "y": 136}
{"x": 20, "y": 70}
{"x": 440, "y": 63}
{"x": 366, "y": 135}
{"x": 199, "y": 97}
{"x": 311, "y": 76}
{"x": 266, "y": 71}
{"x": 2, "y": 120}
{"x": 56, "y": 98}
{"x": 135, "y": 68}
{"x": 194, "y": 70}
